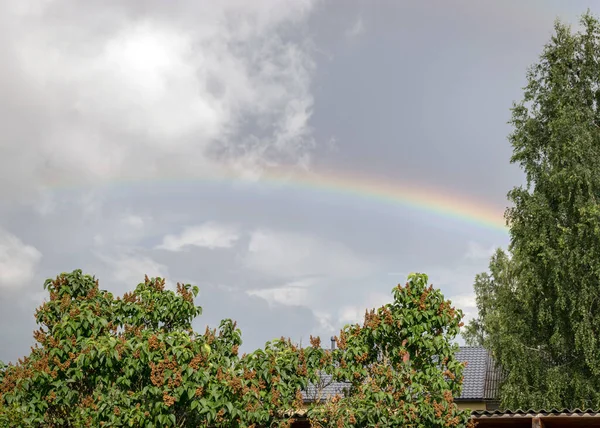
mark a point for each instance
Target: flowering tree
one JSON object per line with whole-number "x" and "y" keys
{"x": 135, "y": 361}
{"x": 400, "y": 364}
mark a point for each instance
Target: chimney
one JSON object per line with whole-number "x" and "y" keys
{"x": 332, "y": 343}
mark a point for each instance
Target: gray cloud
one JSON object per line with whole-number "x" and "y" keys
{"x": 134, "y": 90}
{"x": 123, "y": 121}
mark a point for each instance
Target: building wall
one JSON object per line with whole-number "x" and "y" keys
{"x": 471, "y": 405}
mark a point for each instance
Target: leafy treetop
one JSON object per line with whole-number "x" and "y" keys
{"x": 539, "y": 310}
{"x": 136, "y": 361}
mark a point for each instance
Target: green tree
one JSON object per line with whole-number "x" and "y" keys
{"x": 540, "y": 310}
{"x": 400, "y": 364}
{"x": 498, "y": 304}
{"x": 135, "y": 361}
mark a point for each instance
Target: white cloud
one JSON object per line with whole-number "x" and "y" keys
{"x": 123, "y": 229}
{"x": 467, "y": 303}
{"x": 128, "y": 268}
{"x": 208, "y": 235}
{"x": 18, "y": 261}
{"x": 293, "y": 294}
{"x": 457, "y": 284}
{"x": 458, "y": 280}
{"x": 355, "y": 313}
{"x": 186, "y": 90}
{"x": 130, "y": 227}
{"x": 301, "y": 293}
{"x": 464, "y": 300}
{"x": 325, "y": 320}
{"x": 287, "y": 254}
{"x": 45, "y": 203}
{"x": 476, "y": 251}
{"x": 91, "y": 203}
{"x": 357, "y": 28}
{"x": 133, "y": 221}
{"x": 351, "y": 314}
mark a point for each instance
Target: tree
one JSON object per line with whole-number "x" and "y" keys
{"x": 540, "y": 309}
{"x": 498, "y": 304}
{"x": 135, "y": 361}
{"x": 400, "y": 364}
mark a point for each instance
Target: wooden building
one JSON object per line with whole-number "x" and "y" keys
{"x": 537, "y": 419}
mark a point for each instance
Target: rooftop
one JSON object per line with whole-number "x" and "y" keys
{"x": 481, "y": 376}
{"x": 481, "y": 379}
{"x": 537, "y": 418}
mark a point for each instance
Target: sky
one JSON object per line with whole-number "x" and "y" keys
{"x": 294, "y": 159}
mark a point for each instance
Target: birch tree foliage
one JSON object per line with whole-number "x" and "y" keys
{"x": 539, "y": 309}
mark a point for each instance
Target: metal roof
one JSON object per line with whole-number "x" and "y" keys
{"x": 325, "y": 389}
{"x": 554, "y": 418}
{"x": 520, "y": 418}
{"x": 519, "y": 413}
{"x": 481, "y": 378}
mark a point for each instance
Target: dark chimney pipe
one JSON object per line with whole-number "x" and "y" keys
{"x": 332, "y": 343}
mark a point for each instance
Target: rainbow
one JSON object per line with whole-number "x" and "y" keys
{"x": 407, "y": 195}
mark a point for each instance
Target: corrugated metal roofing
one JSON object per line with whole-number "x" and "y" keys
{"x": 520, "y": 413}
{"x": 507, "y": 414}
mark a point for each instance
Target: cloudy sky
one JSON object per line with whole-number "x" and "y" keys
{"x": 140, "y": 137}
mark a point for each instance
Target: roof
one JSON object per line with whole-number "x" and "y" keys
{"x": 481, "y": 378}
{"x": 537, "y": 418}
{"x": 519, "y": 413}
{"x": 554, "y": 418}
{"x": 325, "y": 389}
